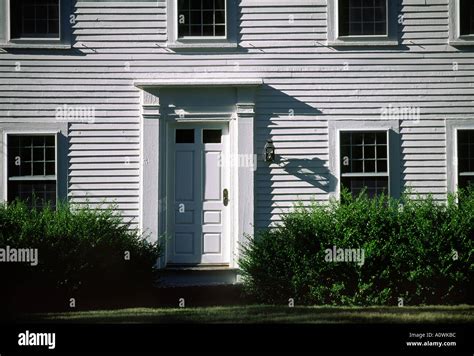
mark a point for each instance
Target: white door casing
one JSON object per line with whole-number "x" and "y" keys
{"x": 233, "y": 103}
{"x": 198, "y": 227}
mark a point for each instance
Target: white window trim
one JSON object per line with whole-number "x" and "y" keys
{"x": 202, "y": 38}
{"x": 455, "y": 39}
{"x": 61, "y": 42}
{"x": 452, "y": 128}
{"x": 391, "y": 39}
{"x": 392, "y": 127}
{"x": 20, "y": 128}
{"x": 7, "y": 133}
{"x": 198, "y": 42}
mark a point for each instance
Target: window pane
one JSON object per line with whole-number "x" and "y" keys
{"x": 208, "y": 4}
{"x": 220, "y": 17}
{"x": 375, "y": 185}
{"x": 369, "y": 152}
{"x": 35, "y": 193}
{"x": 203, "y": 17}
{"x": 465, "y": 152}
{"x": 466, "y": 19}
{"x": 183, "y": 30}
{"x": 185, "y": 136}
{"x": 183, "y": 4}
{"x": 196, "y": 30}
{"x": 362, "y": 17}
{"x": 220, "y": 4}
{"x": 208, "y": 31}
{"x": 211, "y": 136}
{"x": 50, "y": 168}
{"x": 369, "y": 166}
{"x": 208, "y": 17}
{"x": 34, "y": 18}
{"x": 466, "y": 181}
{"x": 38, "y": 168}
{"x": 360, "y": 151}
{"x": 357, "y": 152}
{"x": 196, "y": 17}
{"x": 27, "y": 155}
{"x": 382, "y": 166}
{"x": 195, "y": 5}
{"x": 220, "y": 30}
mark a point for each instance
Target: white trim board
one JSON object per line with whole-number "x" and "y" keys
{"x": 197, "y": 82}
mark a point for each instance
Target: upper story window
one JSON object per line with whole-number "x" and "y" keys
{"x": 362, "y": 22}
{"x": 202, "y": 24}
{"x": 466, "y": 18}
{"x": 362, "y": 17}
{"x": 465, "y": 158}
{"x": 43, "y": 24}
{"x": 34, "y": 19}
{"x": 201, "y": 18}
{"x": 461, "y": 22}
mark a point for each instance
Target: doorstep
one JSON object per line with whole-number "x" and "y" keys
{"x": 197, "y": 275}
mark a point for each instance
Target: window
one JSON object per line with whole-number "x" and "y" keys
{"x": 363, "y": 22}
{"x": 36, "y": 24}
{"x": 466, "y": 17}
{"x": 201, "y": 18}
{"x": 362, "y": 17}
{"x": 32, "y": 169}
{"x": 461, "y": 22}
{"x": 364, "y": 162}
{"x": 211, "y": 136}
{"x": 184, "y": 135}
{"x": 34, "y": 19}
{"x": 465, "y": 158}
{"x": 202, "y": 24}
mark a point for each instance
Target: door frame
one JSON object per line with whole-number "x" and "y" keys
{"x": 157, "y": 108}
{"x": 169, "y": 181}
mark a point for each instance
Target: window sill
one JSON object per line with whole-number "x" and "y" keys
{"x": 362, "y": 42}
{"x": 462, "y": 42}
{"x": 201, "y": 45}
{"x": 35, "y": 45}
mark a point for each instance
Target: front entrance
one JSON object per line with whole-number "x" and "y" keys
{"x": 199, "y": 196}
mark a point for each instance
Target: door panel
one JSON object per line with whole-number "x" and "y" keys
{"x": 199, "y": 226}
{"x": 186, "y": 245}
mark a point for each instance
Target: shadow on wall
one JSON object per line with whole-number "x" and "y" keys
{"x": 300, "y": 171}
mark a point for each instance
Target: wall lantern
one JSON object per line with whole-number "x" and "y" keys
{"x": 269, "y": 151}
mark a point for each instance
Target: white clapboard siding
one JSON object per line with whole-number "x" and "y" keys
{"x": 307, "y": 84}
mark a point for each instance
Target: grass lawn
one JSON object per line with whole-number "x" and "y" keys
{"x": 267, "y": 314}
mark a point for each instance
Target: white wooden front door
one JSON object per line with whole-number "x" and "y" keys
{"x": 199, "y": 180}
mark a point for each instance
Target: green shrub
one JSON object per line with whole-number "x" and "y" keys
{"x": 408, "y": 247}
{"x": 79, "y": 250}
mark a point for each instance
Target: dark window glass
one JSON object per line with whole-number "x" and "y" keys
{"x": 34, "y": 18}
{"x": 35, "y": 193}
{"x": 211, "y": 136}
{"x": 466, "y": 17}
{"x": 185, "y": 136}
{"x": 362, "y": 17}
{"x": 374, "y": 186}
{"x": 360, "y": 151}
{"x": 201, "y": 18}
{"x": 32, "y": 169}
{"x": 364, "y": 162}
{"x": 465, "y": 158}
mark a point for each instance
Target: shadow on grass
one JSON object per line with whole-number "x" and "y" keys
{"x": 267, "y": 314}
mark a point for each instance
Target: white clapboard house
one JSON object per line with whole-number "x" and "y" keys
{"x": 206, "y": 120}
